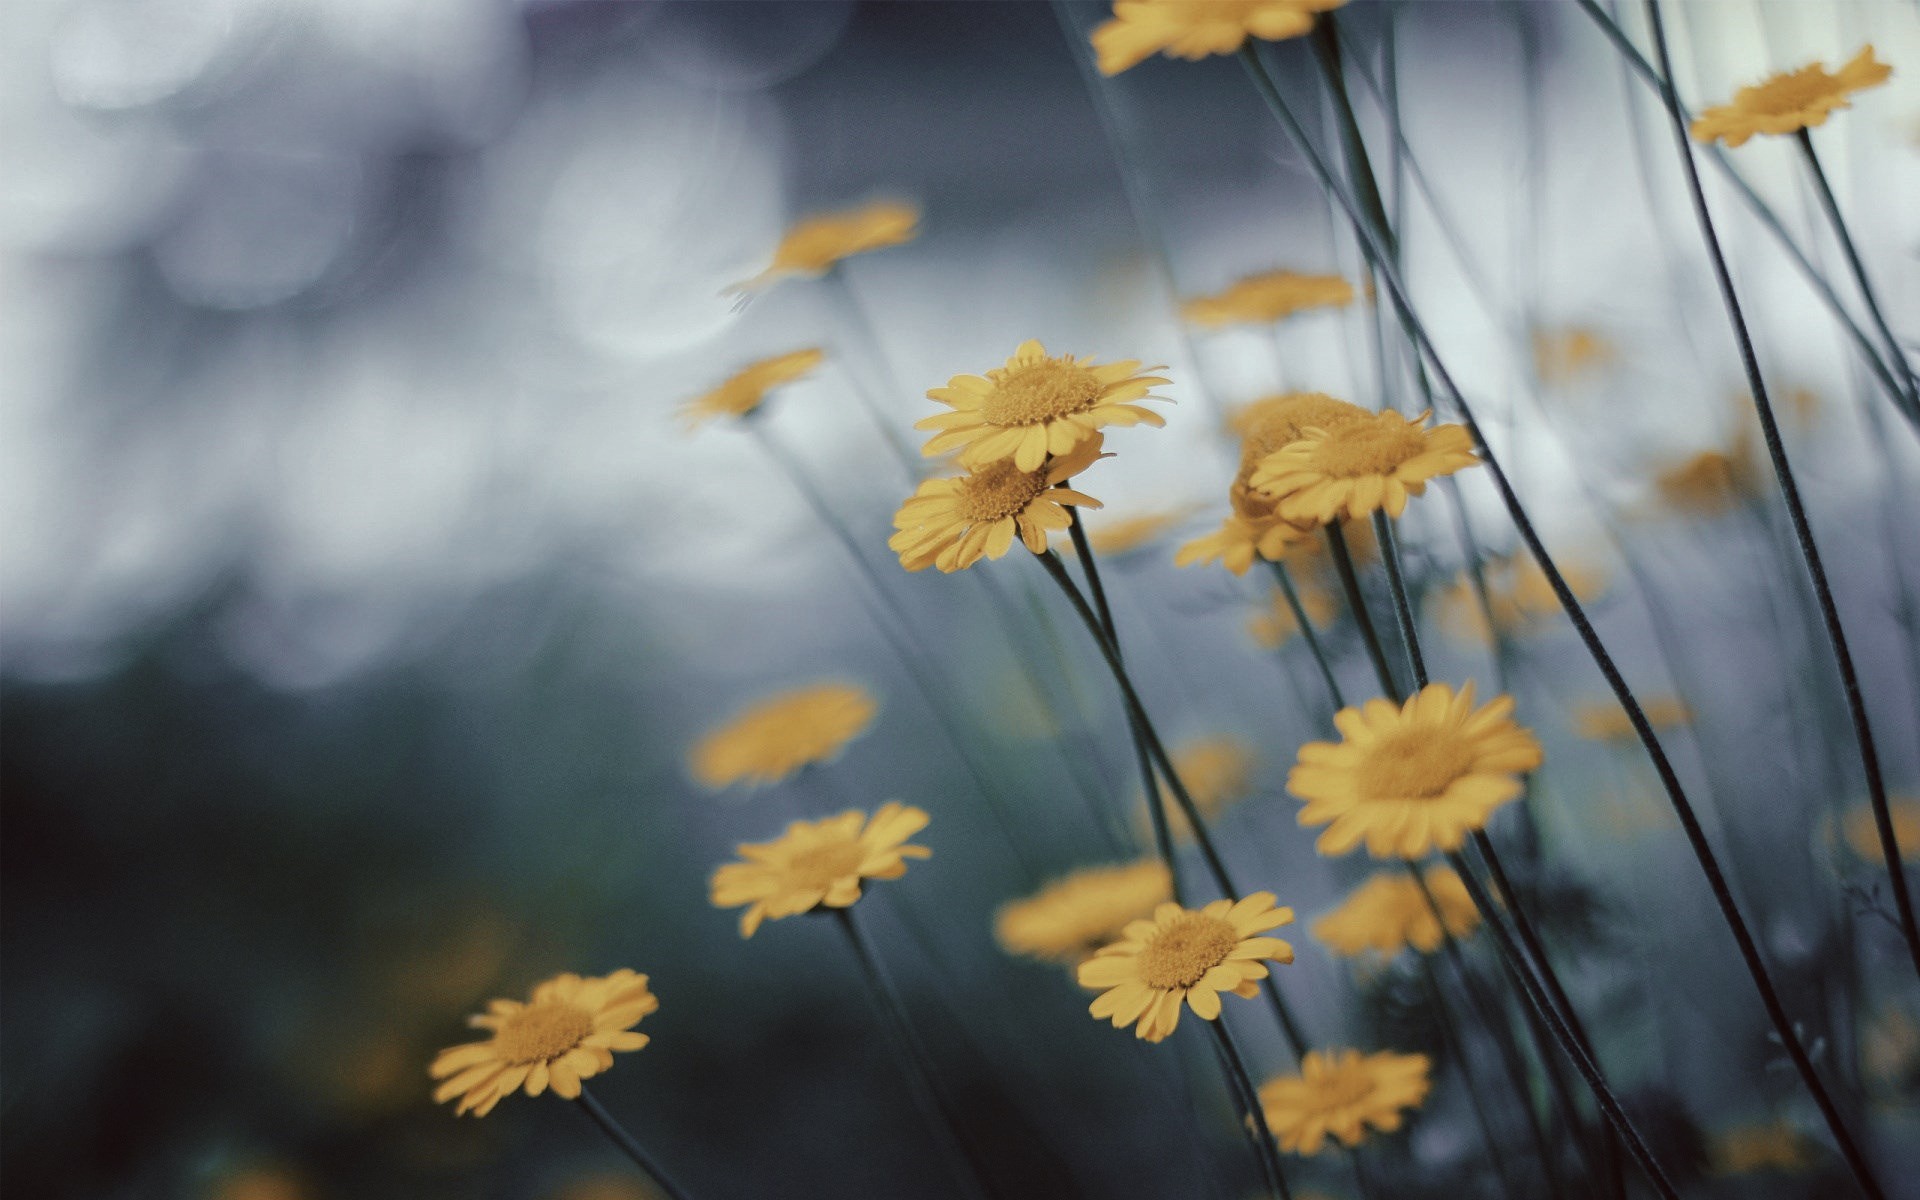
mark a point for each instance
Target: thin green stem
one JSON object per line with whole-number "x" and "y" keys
{"x": 1284, "y": 578}
{"x": 628, "y": 1144}
{"x": 1357, "y": 603}
{"x": 1247, "y": 1099}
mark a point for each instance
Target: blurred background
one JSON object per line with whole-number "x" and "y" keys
{"x": 363, "y": 590}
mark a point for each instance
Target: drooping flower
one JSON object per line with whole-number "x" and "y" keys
{"x": 1267, "y": 297}
{"x": 1217, "y": 771}
{"x": 1388, "y": 913}
{"x": 745, "y": 390}
{"x": 1340, "y": 1093}
{"x": 1790, "y": 101}
{"x": 774, "y": 737}
{"x": 953, "y": 523}
{"x": 1409, "y": 779}
{"x": 1184, "y": 955}
{"x": 1275, "y": 625}
{"x": 1036, "y": 405}
{"x": 814, "y": 244}
{"x": 1863, "y": 832}
{"x": 1193, "y": 30}
{"x": 568, "y": 1030}
{"x": 1361, "y": 467}
{"x": 818, "y": 863}
{"x": 1072, "y": 917}
{"x": 1606, "y": 721}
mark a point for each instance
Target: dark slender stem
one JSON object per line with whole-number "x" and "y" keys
{"x": 628, "y": 1144}
{"x": 1083, "y": 549}
{"x": 1255, "y": 1113}
{"x": 1453, "y": 1042}
{"x": 1284, "y": 578}
{"x": 1845, "y": 237}
{"x": 1402, "y": 606}
{"x": 857, "y": 327}
{"x": 1350, "y": 584}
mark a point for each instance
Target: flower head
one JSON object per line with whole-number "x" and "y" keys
{"x": 779, "y": 735}
{"x": 1712, "y": 481}
{"x": 954, "y": 523}
{"x": 1353, "y": 470}
{"x": 1185, "y": 955}
{"x": 1036, "y": 405}
{"x": 1193, "y": 29}
{"x": 1267, "y": 297}
{"x": 1410, "y": 778}
{"x": 814, "y": 244}
{"x": 1863, "y": 832}
{"x": 1341, "y": 1092}
{"x": 816, "y": 863}
{"x": 1389, "y": 913}
{"x": 1239, "y": 540}
{"x": 567, "y": 1031}
{"x": 1518, "y": 594}
{"x": 1790, "y": 101}
{"x": 746, "y": 389}
{"x": 1275, "y": 625}
{"x": 1072, "y": 917}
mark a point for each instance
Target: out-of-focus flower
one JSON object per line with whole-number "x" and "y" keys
{"x": 1274, "y": 626}
{"x": 1184, "y": 955}
{"x": 818, "y": 863}
{"x": 1036, "y": 405}
{"x": 814, "y": 244}
{"x": 605, "y": 1185}
{"x": 1216, "y": 771}
{"x": 1410, "y": 779}
{"x": 1773, "y": 1146}
{"x": 747, "y": 388}
{"x": 779, "y": 735}
{"x": 567, "y": 1031}
{"x": 1341, "y": 1093}
{"x": 1712, "y": 481}
{"x": 1890, "y": 1052}
{"x": 1238, "y": 541}
{"x": 1114, "y": 538}
{"x": 1606, "y": 721}
{"x": 1518, "y": 594}
{"x": 1267, "y": 297}
{"x": 1072, "y": 917}
{"x": 1790, "y": 101}
{"x": 1863, "y": 834}
{"x": 262, "y": 1182}
{"x": 1561, "y": 356}
{"x": 1389, "y": 913}
{"x": 954, "y": 523}
{"x": 1358, "y": 468}
{"x": 1185, "y": 29}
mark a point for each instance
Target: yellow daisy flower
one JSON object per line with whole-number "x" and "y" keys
{"x": 1411, "y": 778}
{"x": 1790, "y": 101}
{"x": 1217, "y": 772}
{"x": 779, "y": 735}
{"x": 1341, "y": 1092}
{"x": 567, "y": 1031}
{"x": 1606, "y": 721}
{"x": 1863, "y": 835}
{"x": 1239, "y": 541}
{"x": 1072, "y": 917}
{"x": 1351, "y": 471}
{"x": 1712, "y": 481}
{"x": 1036, "y": 405}
{"x": 1267, "y": 297}
{"x": 1184, "y": 954}
{"x": 1517, "y": 592}
{"x": 954, "y": 523}
{"x": 813, "y": 245}
{"x": 1773, "y": 1146}
{"x": 1275, "y": 626}
{"x": 747, "y": 388}
{"x": 1185, "y": 29}
{"x": 818, "y": 863}
{"x": 1389, "y": 913}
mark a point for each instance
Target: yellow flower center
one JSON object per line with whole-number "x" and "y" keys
{"x": 1370, "y": 448}
{"x": 1413, "y": 764}
{"x": 818, "y": 866}
{"x": 998, "y": 491}
{"x": 1181, "y": 953}
{"x": 541, "y": 1032}
{"x": 1045, "y": 391}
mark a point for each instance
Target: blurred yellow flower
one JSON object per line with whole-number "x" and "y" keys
{"x": 1238, "y": 541}
{"x": 1711, "y": 481}
{"x": 747, "y": 388}
{"x": 605, "y": 1185}
{"x": 1185, "y": 955}
{"x": 954, "y": 523}
{"x": 1606, "y": 721}
{"x": 1517, "y": 592}
{"x": 774, "y": 737}
{"x": 1890, "y": 1052}
{"x": 1358, "y": 468}
{"x": 1273, "y": 627}
{"x": 1194, "y": 29}
{"x": 567, "y": 1031}
{"x": 1790, "y": 101}
{"x": 1072, "y": 917}
{"x": 1341, "y": 1093}
{"x": 1413, "y": 778}
{"x": 1114, "y": 538}
{"x": 818, "y": 863}
{"x": 1563, "y": 355}
{"x": 1036, "y": 405}
{"x": 1863, "y": 835}
{"x": 1389, "y": 913}
{"x": 814, "y": 244}
{"x": 1267, "y": 297}
{"x": 1773, "y": 1146}
{"x": 261, "y": 1183}
{"x": 1216, "y": 771}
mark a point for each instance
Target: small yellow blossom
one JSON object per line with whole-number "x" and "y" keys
{"x": 1217, "y": 771}
{"x": 567, "y": 1031}
{"x": 1388, "y": 913}
{"x": 1193, "y": 30}
{"x": 1791, "y": 101}
{"x": 1037, "y": 405}
{"x": 1356, "y": 469}
{"x": 953, "y": 523}
{"x": 1341, "y": 1093}
{"x": 1863, "y": 832}
{"x": 262, "y": 1183}
{"x": 1267, "y": 297}
{"x": 1275, "y": 625}
{"x": 1072, "y": 917}
{"x": 1773, "y": 1146}
{"x": 1184, "y": 955}
{"x": 1712, "y": 481}
{"x": 777, "y": 736}
{"x": 818, "y": 863}
{"x": 746, "y": 390}
{"x": 813, "y": 245}
{"x": 1517, "y": 592}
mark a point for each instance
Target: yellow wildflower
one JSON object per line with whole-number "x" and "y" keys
{"x": 777, "y": 736}
{"x": 1185, "y": 29}
{"x": 568, "y": 1030}
{"x": 818, "y": 863}
{"x": 1790, "y": 101}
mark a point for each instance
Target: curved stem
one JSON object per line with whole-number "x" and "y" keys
{"x": 628, "y": 1144}
{"x": 1248, "y": 1100}
{"x": 1284, "y": 578}
{"x": 1350, "y": 584}
{"x": 1845, "y": 237}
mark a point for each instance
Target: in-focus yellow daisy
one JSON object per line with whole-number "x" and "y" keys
{"x": 1115, "y": 538}
{"x": 818, "y": 863}
{"x": 1606, "y": 721}
{"x": 813, "y": 245}
{"x": 774, "y": 737}
{"x": 1341, "y": 1093}
{"x": 567, "y": 1031}
{"x": 1773, "y": 1146}
{"x": 1389, "y": 913}
{"x": 1036, "y": 405}
{"x": 1217, "y": 772}
{"x": 1185, "y": 955}
{"x": 747, "y": 388}
{"x": 1072, "y": 917}
{"x": 1564, "y": 355}
{"x": 1267, "y": 297}
{"x": 954, "y": 523}
{"x": 1517, "y": 592}
{"x": 1194, "y": 29}
{"x": 1413, "y": 778}
{"x": 1790, "y": 101}
{"x": 1863, "y": 834}
{"x": 1361, "y": 467}
{"x": 1275, "y": 625}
